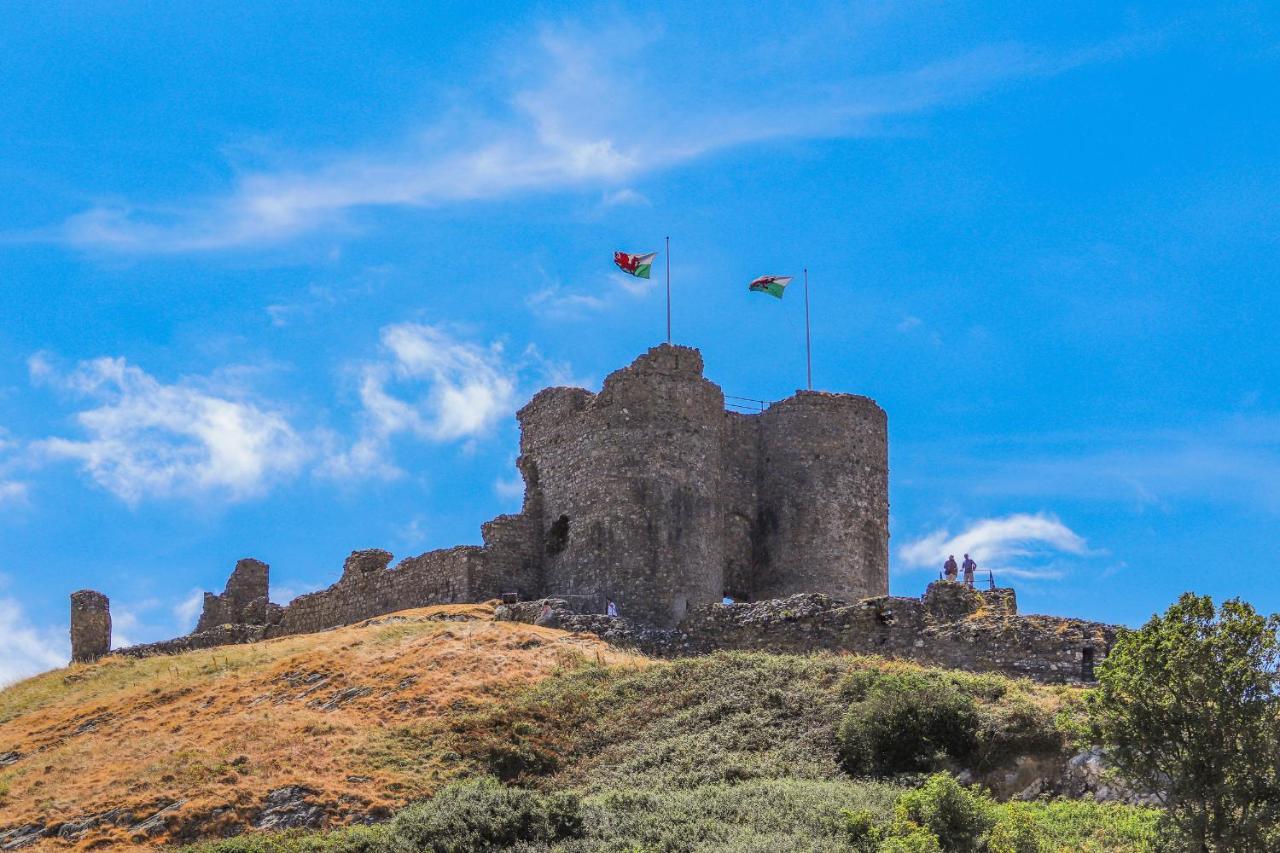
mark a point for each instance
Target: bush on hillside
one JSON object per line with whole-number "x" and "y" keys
{"x": 352, "y": 839}
{"x": 1017, "y": 832}
{"x": 907, "y": 723}
{"x": 484, "y": 815}
{"x": 762, "y": 816}
{"x": 960, "y": 817}
{"x": 914, "y": 840}
{"x": 863, "y": 831}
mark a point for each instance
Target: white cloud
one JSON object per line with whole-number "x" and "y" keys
{"x": 187, "y": 611}
{"x": 284, "y": 593}
{"x": 623, "y": 197}
{"x": 566, "y": 121}
{"x": 509, "y": 488}
{"x": 429, "y": 385}
{"x": 146, "y": 439}
{"x": 126, "y": 626}
{"x": 26, "y": 649}
{"x": 12, "y": 492}
{"x": 553, "y": 302}
{"x": 1019, "y": 545}
{"x": 908, "y": 323}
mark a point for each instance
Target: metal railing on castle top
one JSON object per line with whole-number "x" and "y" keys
{"x": 745, "y": 404}
{"x": 991, "y": 578}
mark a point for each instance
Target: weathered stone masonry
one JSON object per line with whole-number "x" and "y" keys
{"x": 950, "y": 626}
{"x": 652, "y": 495}
{"x": 90, "y": 625}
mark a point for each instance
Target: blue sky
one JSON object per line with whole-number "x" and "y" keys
{"x": 275, "y": 278}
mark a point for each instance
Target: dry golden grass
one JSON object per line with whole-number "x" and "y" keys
{"x": 353, "y": 714}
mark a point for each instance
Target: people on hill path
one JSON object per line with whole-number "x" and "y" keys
{"x": 611, "y": 608}
{"x": 949, "y": 567}
{"x": 970, "y": 567}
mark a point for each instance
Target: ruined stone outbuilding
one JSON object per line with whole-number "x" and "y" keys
{"x": 90, "y": 625}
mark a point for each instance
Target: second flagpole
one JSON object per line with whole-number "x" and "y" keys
{"x": 808, "y": 349}
{"x": 668, "y": 255}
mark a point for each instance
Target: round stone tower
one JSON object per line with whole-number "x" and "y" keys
{"x": 90, "y": 625}
{"x": 823, "y": 497}
{"x": 626, "y": 485}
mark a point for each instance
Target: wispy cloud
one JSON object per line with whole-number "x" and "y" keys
{"x": 187, "y": 611}
{"x": 510, "y": 489}
{"x": 1019, "y": 545}
{"x": 431, "y": 385}
{"x": 566, "y": 121}
{"x": 1233, "y": 461}
{"x": 26, "y": 649}
{"x": 555, "y": 301}
{"x": 12, "y": 491}
{"x": 146, "y": 439}
{"x": 623, "y": 197}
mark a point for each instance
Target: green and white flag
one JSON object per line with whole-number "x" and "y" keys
{"x": 771, "y": 284}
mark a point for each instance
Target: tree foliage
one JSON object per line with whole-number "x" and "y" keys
{"x": 908, "y": 723}
{"x": 1188, "y": 706}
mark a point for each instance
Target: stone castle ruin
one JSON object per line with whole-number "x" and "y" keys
{"x": 652, "y": 495}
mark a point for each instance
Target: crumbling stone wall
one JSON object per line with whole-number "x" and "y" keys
{"x": 368, "y": 588}
{"x": 90, "y": 625}
{"x": 245, "y": 600}
{"x": 951, "y": 626}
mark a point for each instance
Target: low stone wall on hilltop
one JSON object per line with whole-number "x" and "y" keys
{"x": 950, "y": 626}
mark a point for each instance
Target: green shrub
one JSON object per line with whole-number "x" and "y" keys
{"x": 1083, "y": 825}
{"x": 863, "y": 831}
{"x": 484, "y": 815}
{"x": 1013, "y": 727}
{"x": 1017, "y": 832}
{"x": 354, "y": 839}
{"x": 958, "y": 816}
{"x": 908, "y": 723}
{"x": 915, "y": 840}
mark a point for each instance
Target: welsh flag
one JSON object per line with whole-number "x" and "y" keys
{"x": 771, "y": 284}
{"x": 636, "y": 265}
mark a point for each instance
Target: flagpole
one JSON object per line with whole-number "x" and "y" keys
{"x": 668, "y": 253}
{"x": 808, "y": 348}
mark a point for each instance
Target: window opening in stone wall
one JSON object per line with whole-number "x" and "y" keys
{"x": 1086, "y": 664}
{"x": 558, "y": 536}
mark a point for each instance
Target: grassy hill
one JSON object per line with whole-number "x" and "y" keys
{"x": 733, "y": 751}
{"x": 216, "y": 732}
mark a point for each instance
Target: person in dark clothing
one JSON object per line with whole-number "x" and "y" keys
{"x": 969, "y": 568}
{"x": 949, "y": 567}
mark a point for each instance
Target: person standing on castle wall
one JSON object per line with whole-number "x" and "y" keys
{"x": 970, "y": 567}
{"x": 611, "y": 608}
{"x": 949, "y": 567}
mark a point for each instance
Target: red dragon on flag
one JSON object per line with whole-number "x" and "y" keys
{"x": 636, "y": 265}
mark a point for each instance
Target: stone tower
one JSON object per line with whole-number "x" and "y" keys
{"x": 90, "y": 625}
{"x": 627, "y": 486}
{"x": 651, "y": 494}
{"x": 823, "y": 497}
